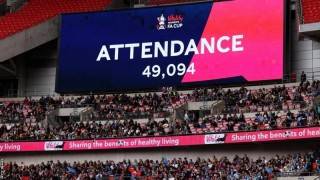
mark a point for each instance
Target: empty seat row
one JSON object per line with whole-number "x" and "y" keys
{"x": 37, "y": 11}
{"x": 311, "y": 11}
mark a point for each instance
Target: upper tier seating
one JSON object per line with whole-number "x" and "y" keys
{"x": 123, "y": 106}
{"x": 311, "y": 11}
{"x": 37, "y": 11}
{"x": 310, "y": 8}
{"x": 276, "y": 108}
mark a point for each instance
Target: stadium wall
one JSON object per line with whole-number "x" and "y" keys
{"x": 36, "y": 77}
{"x": 306, "y": 57}
{"x": 28, "y": 39}
{"x": 305, "y": 52}
{"x": 40, "y": 81}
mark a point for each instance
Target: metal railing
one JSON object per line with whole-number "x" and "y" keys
{"x": 311, "y": 73}
{"x": 299, "y": 11}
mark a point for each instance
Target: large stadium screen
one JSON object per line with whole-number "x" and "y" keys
{"x": 236, "y": 41}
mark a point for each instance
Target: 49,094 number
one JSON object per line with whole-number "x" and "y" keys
{"x": 171, "y": 70}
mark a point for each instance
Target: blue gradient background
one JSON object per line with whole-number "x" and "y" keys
{"x": 83, "y": 34}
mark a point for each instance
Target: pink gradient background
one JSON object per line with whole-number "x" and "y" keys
{"x": 183, "y": 141}
{"x": 24, "y": 146}
{"x": 191, "y": 140}
{"x": 302, "y": 131}
{"x": 262, "y": 24}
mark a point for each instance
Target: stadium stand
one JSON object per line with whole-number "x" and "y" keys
{"x": 146, "y": 105}
{"x": 274, "y": 108}
{"x": 311, "y": 11}
{"x": 37, "y": 11}
{"x": 26, "y": 111}
{"x": 131, "y": 128}
{"x": 178, "y": 168}
{"x": 261, "y": 121}
{"x": 34, "y": 136}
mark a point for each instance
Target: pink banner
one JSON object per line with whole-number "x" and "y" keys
{"x": 134, "y": 143}
{"x": 169, "y": 141}
{"x": 274, "y": 135}
{"x": 21, "y": 146}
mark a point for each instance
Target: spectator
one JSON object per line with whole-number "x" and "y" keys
{"x": 119, "y": 109}
{"x": 176, "y": 168}
{"x": 303, "y": 77}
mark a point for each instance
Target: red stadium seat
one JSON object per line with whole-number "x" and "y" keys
{"x": 310, "y": 11}
{"x": 38, "y": 11}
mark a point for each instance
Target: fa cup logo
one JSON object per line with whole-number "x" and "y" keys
{"x": 161, "y": 22}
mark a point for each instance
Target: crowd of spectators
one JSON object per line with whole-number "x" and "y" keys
{"x": 92, "y": 129}
{"x": 164, "y": 127}
{"x": 246, "y": 100}
{"x": 237, "y": 168}
{"x": 261, "y": 121}
{"x": 123, "y": 106}
{"x": 118, "y": 106}
{"x": 30, "y": 112}
{"x": 27, "y": 111}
